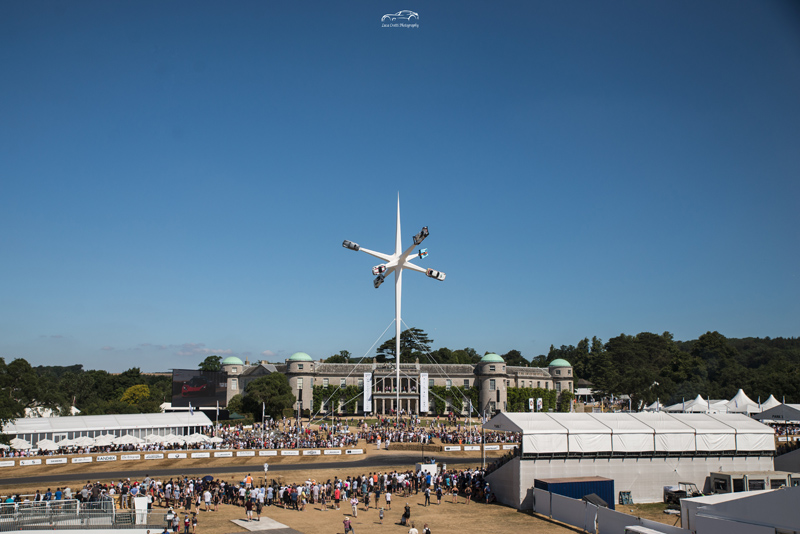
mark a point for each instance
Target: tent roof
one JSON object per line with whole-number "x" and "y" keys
{"x": 82, "y": 423}
{"x": 782, "y": 412}
{"x": 663, "y": 423}
{"x": 706, "y": 424}
{"x": 742, "y": 423}
{"x": 623, "y": 423}
{"x": 526, "y": 422}
{"x": 771, "y": 402}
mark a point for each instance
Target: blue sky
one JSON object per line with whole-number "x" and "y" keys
{"x": 177, "y": 177}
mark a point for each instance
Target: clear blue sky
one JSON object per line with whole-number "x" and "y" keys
{"x": 176, "y": 178}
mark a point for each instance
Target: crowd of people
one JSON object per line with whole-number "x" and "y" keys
{"x": 291, "y": 434}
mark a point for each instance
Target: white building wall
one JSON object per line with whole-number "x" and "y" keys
{"x": 645, "y": 478}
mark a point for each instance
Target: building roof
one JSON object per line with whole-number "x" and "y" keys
{"x": 300, "y": 357}
{"x": 83, "y": 423}
{"x": 492, "y": 358}
{"x": 560, "y": 362}
{"x": 232, "y": 360}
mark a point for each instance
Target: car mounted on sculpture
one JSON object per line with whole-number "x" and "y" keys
{"x": 378, "y": 281}
{"x": 351, "y": 245}
{"x": 400, "y": 15}
{"x": 379, "y": 269}
{"x": 435, "y": 274}
{"x": 420, "y": 237}
{"x": 423, "y": 253}
{"x": 198, "y": 386}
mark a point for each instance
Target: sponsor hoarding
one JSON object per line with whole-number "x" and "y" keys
{"x": 130, "y": 457}
{"x": 223, "y": 454}
{"x": 153, "y": 456}
{"x": 55, "y": 461}
{"x": 245, "y": 453}
{"x": 333, "y": 451}
{"x": 452, "y": 447}
{"x": 423, "y": 393}
{"x": 201, "y": 455}
{"x": 354, "y": 451}
{"x": 367, "y": 392}
{"x": 176, "y": 455}
{"x": 290, "y": 453}
{"x": 81, "y": 460}
{"x": 268, "y": 453}
{"x": 9, "y": 463}
{"x": 312, "y": 453}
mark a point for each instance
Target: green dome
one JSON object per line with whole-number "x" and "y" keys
{"x": 492, "y": 358}
{"x": 300, "y": 357}
{"x": 559, "y": 363}
{"x": 231, "y": 360}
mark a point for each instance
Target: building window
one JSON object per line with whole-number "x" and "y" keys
{"x": 342, "y": 382}
{"x": 300, "y": 366}
{"x": 430, "y": 382}
{"x": 299, "y": 383}
{"x": 466, "y": 382}
{"x": 492, "y": 406}
{"x": 558, "y": 387}
{"x": 325, "y": 382}
{"x": 508, "y": 383}
{"x": 538, "y": 383}
{"x": 558, "y": 371}
{"x": 234, "y": 384}
{"x": 233, "y": 369}
{"x": 547, "y": 385}
{"x": 491, "y": 385}
{"x": 491, "y": 367}
{"x": 448, "y": 384}
{"x": 361, "y": 383}
{"x": 569, "y": 372}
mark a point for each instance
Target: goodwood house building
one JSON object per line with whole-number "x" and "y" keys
{"x": 491, "y": 376}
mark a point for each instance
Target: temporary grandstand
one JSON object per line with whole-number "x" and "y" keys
{"x": 139, "y": 425}
{"x": 641, "y": 452}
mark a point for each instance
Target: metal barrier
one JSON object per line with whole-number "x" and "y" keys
{"x": 74, "y": 515}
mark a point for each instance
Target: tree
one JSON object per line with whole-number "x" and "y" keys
{"x": 235, "y": 405}
{"x": 211, "y": 364}
{"x": 514, "y": 357}
{"x": 273, "y": 390}
{"x": 342, "y": 357}
{"x": 414, "y": 343}
{"x": 135, "y": 394}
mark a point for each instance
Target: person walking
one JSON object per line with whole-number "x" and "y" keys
{"x": 388, "y": 500}
{"x": 348, "y": 526}
{"x": 354, "y": 505}
{"x": 427, "y": 496}
{"x": 413, "y": 529}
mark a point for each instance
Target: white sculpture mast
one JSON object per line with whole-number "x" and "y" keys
{"x": 396, "y": 263}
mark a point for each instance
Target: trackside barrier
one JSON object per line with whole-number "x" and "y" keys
{"x": 183, "y": 455}
{"x": 584, "y": 515}
{"x": 73, "y": 515}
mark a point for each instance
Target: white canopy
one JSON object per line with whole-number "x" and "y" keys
{"x": 711, "y": 434}
{"x": 127, "y": 439}
{"x": 104, "y": 440}
{"x": 216, "y": 439}
{"x": 628, "y": 434}
{"x": 655, "y": 407}
{"x": 196, "y": 438}
{"x": 83, "y": 441}
{"x": 47, "y": 445}
{"x": 671, "y": 434}
{"x": 172, "y": 438}
{"x": 741, "y": 403}
{"x": 20, "y": 444}
{"x": 750, "y": 434}
{"x": 153, "y": 438}
{"x": 771, "y": 402}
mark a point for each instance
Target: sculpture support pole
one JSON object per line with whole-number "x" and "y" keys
{"x": 398, "y": 291}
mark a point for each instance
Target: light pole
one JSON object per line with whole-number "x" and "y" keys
{"x": 396, "y": 263}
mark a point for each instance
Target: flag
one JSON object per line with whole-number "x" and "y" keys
{"x": 191, "y": 410}
{"x": 217, "y": 408}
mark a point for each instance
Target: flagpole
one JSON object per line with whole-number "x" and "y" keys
{"x": 216, "y": 420}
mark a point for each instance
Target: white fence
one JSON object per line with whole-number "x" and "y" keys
{"x": 582, "y": 514}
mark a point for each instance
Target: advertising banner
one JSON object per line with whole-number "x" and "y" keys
{"x": 10, "y": 463}
{"x": 131, "y": 457}
{"x": 223, "y": 454}
{"x": 473, "y": 448}
{"x": 245, "y": 453}
{"x": 107, "y": 458}
{"x": 354, "y": 451}
{"x": 80, "y": 460}
{"x": 491, "y": 447}
{"x": 509, "y": 447}
{"x": 199, "y": 388}
{"x": 449, "y": 448}
{"x": 333, "y": 451}
{"x": 55, "y": 461}
{"x": 367, "y": 392}
{"x": 201, "y": 455}
{"x": 312, "y": 453}
{"x": 176, "y": 455}
{"x": 153, "y": 456}
{"x": 423, "y": 393}
{"x": 268, "y": 453}
{"x": 35, "y": 462}
{"x": 290, "y": 453}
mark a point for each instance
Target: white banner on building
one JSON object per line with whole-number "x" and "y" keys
{"x": 423, "y": 393}
{"x": 367, "y": 392}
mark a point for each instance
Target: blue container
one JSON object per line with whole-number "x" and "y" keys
{"x": 577, "y": 487}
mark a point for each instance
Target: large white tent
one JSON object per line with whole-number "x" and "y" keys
{"x": 771, "y": 402}
{"x": 92, "y": 426}
{"x": 741, "y": 403}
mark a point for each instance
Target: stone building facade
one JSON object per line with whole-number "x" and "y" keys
{"x": 491, "y": 376}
